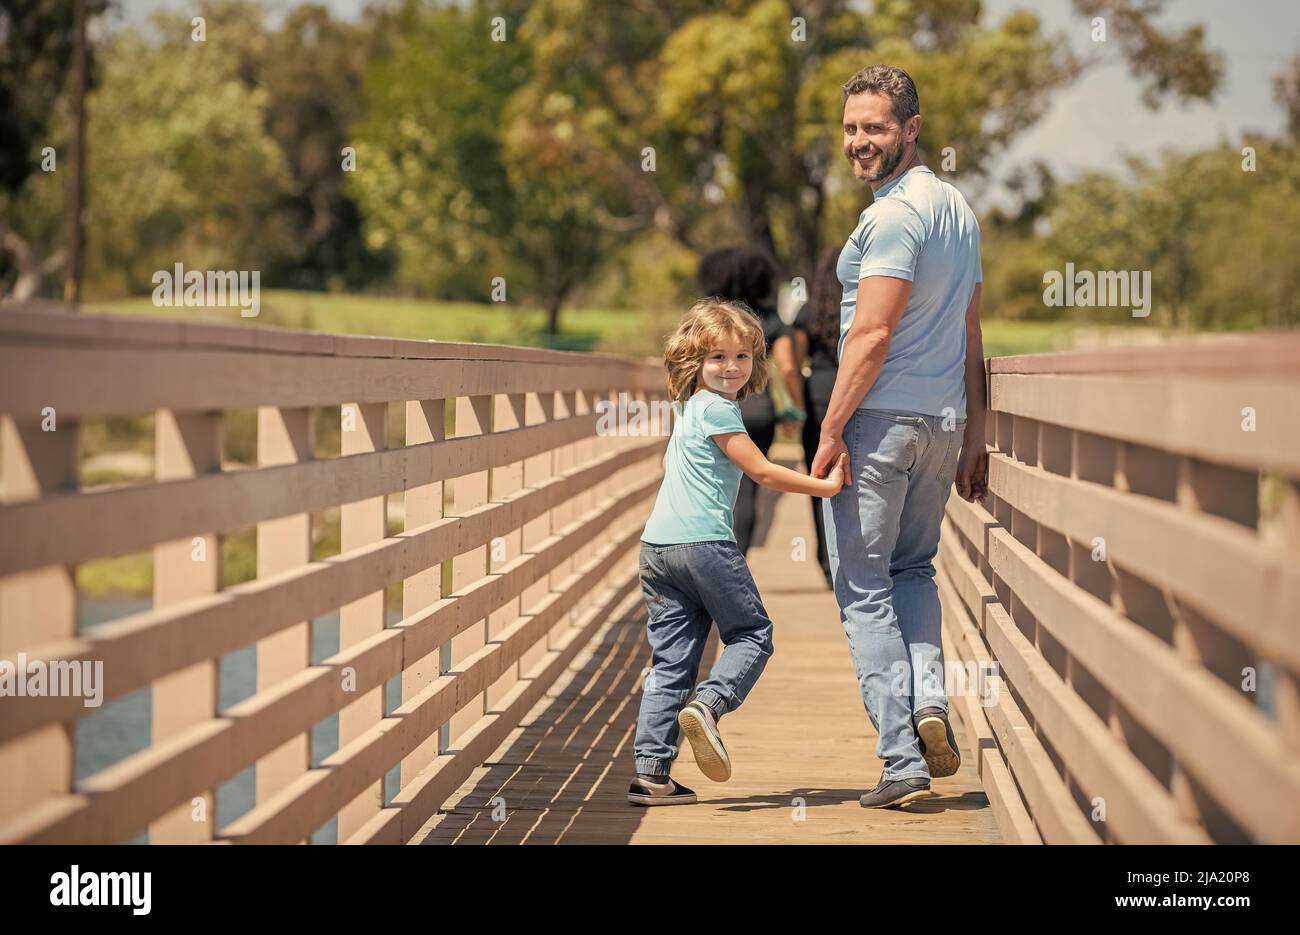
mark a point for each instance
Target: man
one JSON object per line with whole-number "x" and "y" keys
{"x": 908, "y": 408}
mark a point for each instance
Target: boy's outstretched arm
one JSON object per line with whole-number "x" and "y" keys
{"x": 740, "y": 448}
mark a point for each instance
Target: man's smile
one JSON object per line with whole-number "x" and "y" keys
{"x": 864, "y": 159}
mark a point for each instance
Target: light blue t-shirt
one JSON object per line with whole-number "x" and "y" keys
{"x": 700, "y": 482}
{"x": 920, "y": 229}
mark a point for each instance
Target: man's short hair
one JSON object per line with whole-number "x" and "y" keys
{"x": 892, "y": 82}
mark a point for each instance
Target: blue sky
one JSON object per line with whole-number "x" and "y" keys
{"x": 1095, "y": 122}
{"x": 1092, "y": 123}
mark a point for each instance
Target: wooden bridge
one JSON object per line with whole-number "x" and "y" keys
{"x": 1123, "y": 611}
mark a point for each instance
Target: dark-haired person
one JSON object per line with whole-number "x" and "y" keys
{"x": 815, "y": 333}
{"x": 743, "y": 273}
{"x": 908, "y": 407}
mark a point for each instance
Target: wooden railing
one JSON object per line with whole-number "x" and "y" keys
{"x": 519, "y": 541}
{"x": 1136, "y": 582}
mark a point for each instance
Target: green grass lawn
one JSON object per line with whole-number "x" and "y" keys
{"x": 1003, "y": 338}
{"x": 580, "y": 329}
{"x": 639, "y": 333}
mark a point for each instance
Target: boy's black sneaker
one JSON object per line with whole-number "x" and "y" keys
{"x": 891, "y": 792}
{"x": 645, "y": 791}
{"x": 938, "y": 743}
{"x": 699, "y": 723}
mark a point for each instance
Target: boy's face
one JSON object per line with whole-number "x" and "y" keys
{"x": 727, "y": 366}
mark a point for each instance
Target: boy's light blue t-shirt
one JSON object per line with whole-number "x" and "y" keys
{"x": 698, "y": 494}
{"x": 919, "y": 228}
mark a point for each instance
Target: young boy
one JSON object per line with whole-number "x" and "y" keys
{"x": 692, "y": 571}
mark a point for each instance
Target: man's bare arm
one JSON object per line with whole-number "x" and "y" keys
{"x": 973, "y": 466}
{"x": 976, "y": 395}
{"x": 881, "y": 301}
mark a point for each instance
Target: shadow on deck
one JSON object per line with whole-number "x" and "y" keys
{"x": 802, "y": 745}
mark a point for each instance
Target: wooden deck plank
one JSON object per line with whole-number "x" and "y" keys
{"x": 801, "y": 739}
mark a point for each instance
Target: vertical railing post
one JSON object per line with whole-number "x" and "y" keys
{"x": 284, "y": 436}
{"x": 473, "y": 417}
{"x": 564, "y": 513}
{"x": 186, "y": 445}
{"x": 602, "y": 445}
{"x": 38, "y": 456}
{"x": 1287, "y": 694}
{"x": 426, "y": 422}
{"x": 539, "y": 409}
{"x": 583, "y": 452}
{"x": 364, "y": 430}
{"x": 508, "y": 413}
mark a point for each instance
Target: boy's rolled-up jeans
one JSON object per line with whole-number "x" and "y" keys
{"x": 687, "y": 587}
{"x": 882, "y": 535}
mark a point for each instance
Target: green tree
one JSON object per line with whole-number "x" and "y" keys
{"x": 310, "y": 67}
{"x": 463, "y": 168}
{"x": 1216, "y": 228}
{"x": 747, "y": 98}
{"x": 1286, "y": 91}
{"x": 181, "y": 168}
{"x": 251, "y": 128}
{"x": 1246, "y": 235}
{"x": 37, "y": 39}
{"x": 430, "y": 177}
{"x": 312, "y": 73}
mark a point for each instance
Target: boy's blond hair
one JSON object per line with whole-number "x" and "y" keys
{"x": 699, "y": 332}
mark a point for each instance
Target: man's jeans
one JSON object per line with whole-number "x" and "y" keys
{"x": 685, "y": 587}
{"x": 882, "y": 534}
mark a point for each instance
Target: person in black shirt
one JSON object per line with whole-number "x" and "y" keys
{"x": 747, "y": 274}
{"x": 815, "y": 334}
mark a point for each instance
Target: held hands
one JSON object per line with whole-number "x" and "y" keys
{"x": 827, "y": 456}
{"x": 832, "y": 464}
{"x": 838, "y": 474}
{"x": 973, "y": 472}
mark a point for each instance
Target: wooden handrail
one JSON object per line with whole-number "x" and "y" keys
{"x": 1135, "y": 577}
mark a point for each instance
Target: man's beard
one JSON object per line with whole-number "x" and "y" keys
{"x": 889, "y": 160}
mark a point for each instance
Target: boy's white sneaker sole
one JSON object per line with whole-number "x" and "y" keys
{"x": 706, "y": 743}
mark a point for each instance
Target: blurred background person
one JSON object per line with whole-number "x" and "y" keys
{"x": 814, "y": 336}
{"x": 747, "y": 274}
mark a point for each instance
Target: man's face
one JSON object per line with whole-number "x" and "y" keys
{"x": 873, "y": 139}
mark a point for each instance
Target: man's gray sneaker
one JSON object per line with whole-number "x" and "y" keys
{"x": 700, "y": 725}
{"x": 891, "y": 792}
{"x": 938, "y": 743}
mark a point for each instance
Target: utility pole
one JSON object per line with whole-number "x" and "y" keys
{"x": 77, "y": 197}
